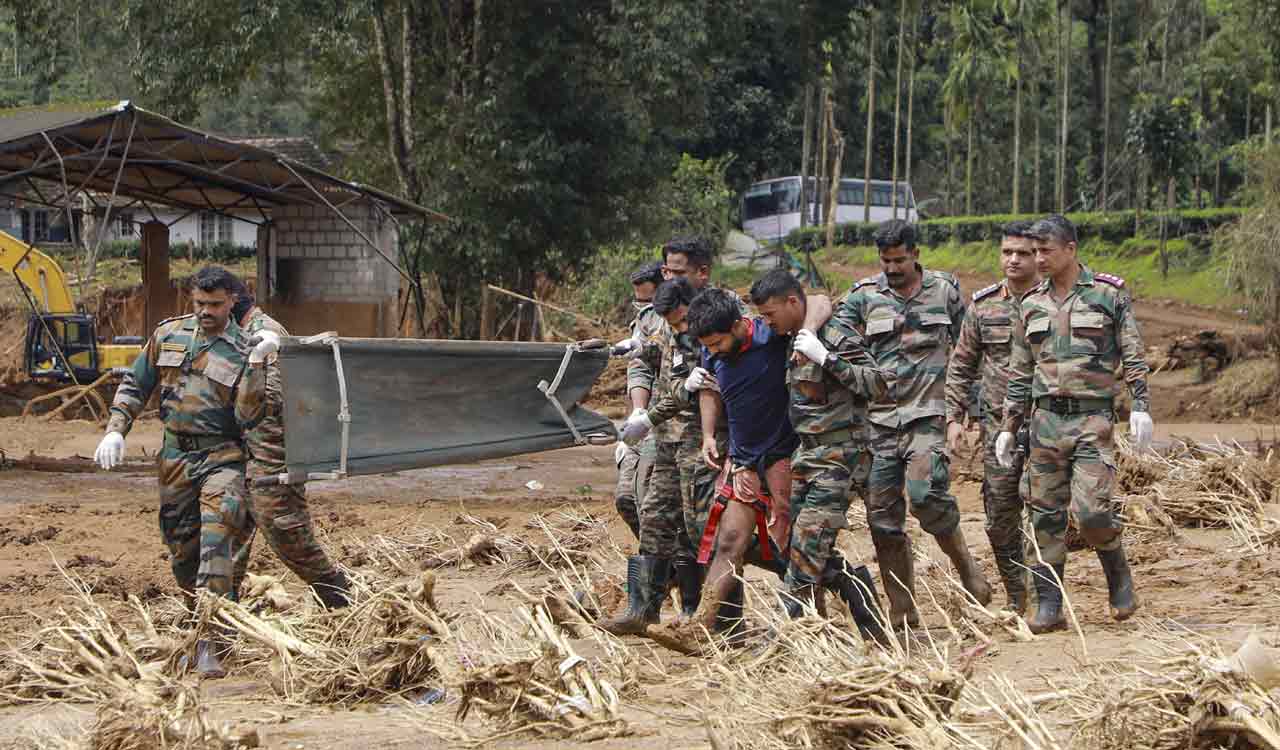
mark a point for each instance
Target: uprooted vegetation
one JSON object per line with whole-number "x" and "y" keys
{"x": 522, "y": 661}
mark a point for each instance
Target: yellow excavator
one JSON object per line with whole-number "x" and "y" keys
{"x": 61, "y": 342}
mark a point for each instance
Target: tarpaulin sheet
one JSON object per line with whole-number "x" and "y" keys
{"x": 416, "y": 403}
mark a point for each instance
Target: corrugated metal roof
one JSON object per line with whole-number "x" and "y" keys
{"x": 116, "y": 147}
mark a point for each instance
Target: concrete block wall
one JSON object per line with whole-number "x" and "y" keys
{"x": 336, "y": 264}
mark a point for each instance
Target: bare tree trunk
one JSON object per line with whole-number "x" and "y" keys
{"x": 1266, "y": 139}
{"x": 1204, "y": 115}
{"x": 1057, "y": 81}
{"x": 823, "y": 158}
{"x": 1106, "y": 109}
{"x": 950, "y": 174}
{"x": 1066, "y": 99}
{"x": 805, "y": 146}
{"x": 897, "y": 102}
{"x": 1035, "y": 187}
{"x": 1248, "y": 122}
{"x": 395, "y": 136}
{"x": 871, "y": 116}
{"x": 911, "y": 90}
{"x": 1164, "y": 46}
{"x": 833, "y": 195}
{"x": 968, "y": 158}
{"x": 1017, "y": 136}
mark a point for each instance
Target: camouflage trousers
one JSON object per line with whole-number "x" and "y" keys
{"x": 662, "y": 531}
{"x": 1072, "y": 470}
{"x": 281, "y": 513}
{"x": 633, "y": 479}
{"x": 1003, "y": 491}
{"x": 204, "y": 518}
{"x": 823, "y": 478}
{"x": 911, "y": 457}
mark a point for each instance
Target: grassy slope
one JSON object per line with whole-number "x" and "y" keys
{"x": 1194, "y": 278}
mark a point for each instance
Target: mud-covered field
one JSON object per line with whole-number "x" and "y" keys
{"x": 506, "y": 540}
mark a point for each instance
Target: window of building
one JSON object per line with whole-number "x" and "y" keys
{"x": 126, "y": 225}
{"x": 40, "y": 226}
{"x": 208, "y": 229}
{"x": 226, "y": 233}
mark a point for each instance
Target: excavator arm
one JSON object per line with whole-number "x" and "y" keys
{"x": 40, "y": 276}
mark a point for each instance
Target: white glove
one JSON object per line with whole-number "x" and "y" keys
{"x": 268, "y": 344}
{"x": 698, "y": 379}
{"x": 1004, "y": 449}
{"x": 810, "y": 346}
{"x": 620, "y": 453}
{"x": 628, "y": 348}
{"x": 636, "y": 427}
{"x": 1141, "y": 429}
{"x": 110, "y": 451}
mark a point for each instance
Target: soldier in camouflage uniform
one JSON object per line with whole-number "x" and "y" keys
{"x": 280, "y": 510}
{"x": 196, "y": 361}
{"x": 1074, "y": 332}
{"x": 665, "y": 546}
{"x": 982, "y": 355}
{"x": 829, "y": 378}
{"x": 635, "y": 464}
{"x": 910, "y": 317}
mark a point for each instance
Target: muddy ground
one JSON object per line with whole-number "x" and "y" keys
{"x": 101, "y": 528}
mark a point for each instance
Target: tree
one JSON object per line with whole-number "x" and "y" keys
{"x": 1164, "y": 134}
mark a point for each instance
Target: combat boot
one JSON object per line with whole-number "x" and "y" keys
{"x": 858, "y": 590}
{"x": 970, "y": 574}
{"x": 646, "y": 588}
{"x": 688, "y": 574}
{"x": 1009, "y": 562}
{"x": 333, "y": 591}
{"x": 1119, "y": 583}
{"x": 1048, "y": 614}
{"x": 897, "y": 572}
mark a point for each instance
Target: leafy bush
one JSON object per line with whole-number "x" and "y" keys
{"x": 604, "y": 285}
{"x": 221, "y": 253}
{"x": 1114, "y": 227}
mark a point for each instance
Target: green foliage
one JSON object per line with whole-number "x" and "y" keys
{"x": 1163, "y": 134}
{"x": 1113, "y": 227}
{"x": 603, "y": 288}
{"x": 699, "y": 201}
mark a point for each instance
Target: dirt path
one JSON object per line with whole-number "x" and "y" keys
{"x": 102, "y": 528}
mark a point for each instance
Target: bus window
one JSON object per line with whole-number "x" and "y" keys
{"x": 850, "y": 193}
{"x": 771, "y": 199}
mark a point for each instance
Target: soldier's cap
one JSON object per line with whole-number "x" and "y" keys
{"x": 649, "y": 272}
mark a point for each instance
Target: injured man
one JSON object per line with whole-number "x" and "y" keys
{"x": 749, "y": 362}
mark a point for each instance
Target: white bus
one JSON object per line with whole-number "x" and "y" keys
{"x": 771, "y": 208}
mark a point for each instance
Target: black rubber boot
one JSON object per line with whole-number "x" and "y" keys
{"x": 688, "y": 574}
{"x": 334, "y": 591}
{"x": 859, "y": 592}
{"x": 646, "y": 587}
{"x": 1010, "y": 564}
{"x": 1119, "y": 583}
{"x": 1048, "y": 614}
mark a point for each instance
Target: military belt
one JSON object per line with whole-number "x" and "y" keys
{"x": 831, "y": 437}
{"x": 189, "y": 443}
{"x": 1067, "y": 405}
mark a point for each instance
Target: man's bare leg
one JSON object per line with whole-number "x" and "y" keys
{"x": 736, "y": 529}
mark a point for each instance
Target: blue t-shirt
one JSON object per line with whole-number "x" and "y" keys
{"x": 753, "y": 385}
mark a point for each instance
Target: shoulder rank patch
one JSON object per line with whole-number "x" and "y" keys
{"x": 1107, "y": 278}
{"x": 986, "y": 292}
{"x": 170, "y": 346}
{"x": 865, "y": 282}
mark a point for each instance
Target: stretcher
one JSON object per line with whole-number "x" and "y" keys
{"x": 360, "y": 406}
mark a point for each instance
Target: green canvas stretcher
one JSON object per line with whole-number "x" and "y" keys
{"x": 356, "y": 406}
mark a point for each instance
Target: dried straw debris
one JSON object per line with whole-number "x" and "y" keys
{"x": 529, "y": 679}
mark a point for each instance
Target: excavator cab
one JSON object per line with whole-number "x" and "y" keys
{"x": 74, "y": 335}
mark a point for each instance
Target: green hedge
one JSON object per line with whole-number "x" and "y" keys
{"x": 220, "y": 253}
{"x": 1114, "y": 227}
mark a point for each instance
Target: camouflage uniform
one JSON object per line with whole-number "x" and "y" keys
{"x": 828, "y": 411}
{"x": 983, "y": 349}
{"x": 637, "y": 463}
{"x": 1063, "y": 369}
{"x": 665, "y": 511}
{"x": 203, "y": 514}
{"x": 280, "y": 510}
{"x": 909, "y": 340}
